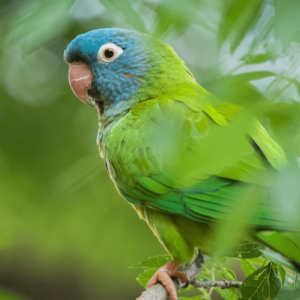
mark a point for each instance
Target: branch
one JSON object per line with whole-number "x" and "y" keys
{"x": 223, "y": 284}
{"x": 158, "y": 292}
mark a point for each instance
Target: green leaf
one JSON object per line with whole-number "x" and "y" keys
{"x": 228, "y": 274}
{"x": 204, "y": 277}
{"x": 282, "y": 274}
{"x": 258, "y": 260}
{"x": 228, "y": 294}
{"x": 37, "y": 23}
{"x": 247, "y": 266}
{"x": 237, "y": 20}
{"x": 263, "y": 284}
{"x": 244, "y": 93}
{"x": 278, "y": 259}
{"x": 188, "y": 289}
{"x": 199, "y": 297}
{"x": 288, "y": 295}
{"x": 257, "y": 59}
{"x": 249, "y": 76}
{"x": 245, "y": 250}
{"x": 130, "y": 15}
{"x": 216, "y": 262}
{"x": 153, "y": 262}
{"x": 180, "y": 16}
{"x": 145, "y": 276}
{"x": 287, "y": 21}
{"x": 297, "y": 84}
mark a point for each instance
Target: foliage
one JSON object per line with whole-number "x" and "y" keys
{"x": 263, "y": 283}
{"x": 62, "y": 222}
{"x": 245, "y": 250}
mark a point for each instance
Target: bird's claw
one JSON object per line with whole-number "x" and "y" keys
{"x": 164, "y": 274}
{"x": 187, "y": 283}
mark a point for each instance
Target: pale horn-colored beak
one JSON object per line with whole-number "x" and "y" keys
{"x": 80, "y": 79}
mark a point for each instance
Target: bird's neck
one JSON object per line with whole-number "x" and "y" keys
{"x": 163, "y": 72}
{"x": 108, "y": 116}
{"x": 160, "y": 79}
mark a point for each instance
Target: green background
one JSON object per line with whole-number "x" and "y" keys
{"x": 65, "y": 233}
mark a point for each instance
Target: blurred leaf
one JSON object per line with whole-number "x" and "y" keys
{"x": 200, "y": 297}
{"x": 289, "y": 281}
{"x": 278, "y": 259}
{"x": 282, "y": 274}
{"x": 245, "y": 250}
{"x": 145, "y": 276}
{"x": 205, "y": 274}
{"x": 7, "y": 235}
{"x": 289, "y": 295}
{"x": 216, "y": 262}
{"x": 36, "y": 23}
{"x": 238, "y": 20}
{"x": 235, "y": 225}
{"x": 178, "y": 15}
{"x": 190, "y": 288}
{"x": 287, "y": 22}
{"x": 228, "y": 274}
{"x": 153, "y": 262}
{"x": 263, "y": 284}
{"x": 257, "y": 59}
{"x": 35, "y": 75}
{"x": 130, "y": 15}
{"x": 297, "y": 83}
{"x": 247, "y": 266}
{"x": 6, "y": 295}
{"x": 228, "y": 294}
{"x": 253, "y": 75}
{"x": 243, "y": 93}
{"x": 257, "y": 260}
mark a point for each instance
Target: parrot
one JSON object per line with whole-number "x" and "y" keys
{"x": 182, "y": 158}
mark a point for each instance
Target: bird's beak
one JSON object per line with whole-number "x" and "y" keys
{"x": 80, "y": 79}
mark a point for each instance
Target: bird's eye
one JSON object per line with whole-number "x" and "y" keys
{"x": 108, "y": 53}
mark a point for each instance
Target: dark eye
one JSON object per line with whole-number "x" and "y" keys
{"x": 109, "y": 53}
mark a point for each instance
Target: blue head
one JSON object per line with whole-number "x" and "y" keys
{"x": 141, "y": 68}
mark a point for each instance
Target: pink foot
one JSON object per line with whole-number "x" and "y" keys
{"x": 164, "y": 274}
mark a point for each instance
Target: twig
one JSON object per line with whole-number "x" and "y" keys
{"x": 223, "y": 284}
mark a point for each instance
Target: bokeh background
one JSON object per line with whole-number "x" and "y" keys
{"x": 65, "y": 233}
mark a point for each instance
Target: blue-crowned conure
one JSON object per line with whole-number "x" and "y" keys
{"x": 182, "y": 158}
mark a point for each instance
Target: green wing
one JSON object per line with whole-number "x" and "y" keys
{"x": 187, "y": 153}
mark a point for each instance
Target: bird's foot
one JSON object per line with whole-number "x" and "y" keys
{"x": 164, "y": 274}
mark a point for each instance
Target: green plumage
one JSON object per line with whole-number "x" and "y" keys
{"x": 184, "y": 159}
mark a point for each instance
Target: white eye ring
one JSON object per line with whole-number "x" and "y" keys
{"x": 108, "y": 53}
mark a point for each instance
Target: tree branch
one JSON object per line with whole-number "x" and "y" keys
{"x": 223, "y": 284}
{"x": 158, "y": 292}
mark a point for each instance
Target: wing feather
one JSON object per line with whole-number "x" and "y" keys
{"x": 188, "y": 153}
